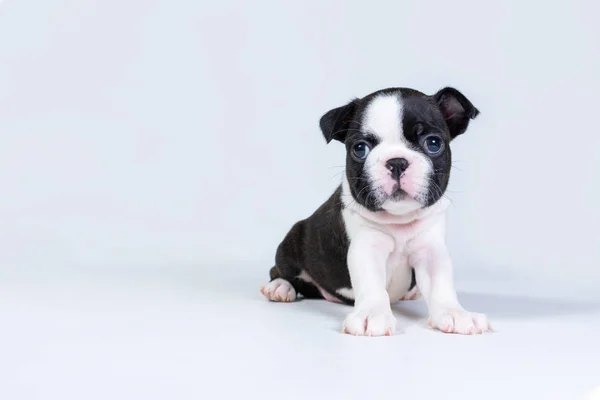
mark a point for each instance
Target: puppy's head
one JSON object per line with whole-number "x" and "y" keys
{"x": 398, "y": 145}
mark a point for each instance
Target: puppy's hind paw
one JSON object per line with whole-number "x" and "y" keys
{"x": 412, "y": 294}
{"x": 279, "y": 290}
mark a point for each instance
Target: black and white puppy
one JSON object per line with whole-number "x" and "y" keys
{"x": 381, "y": 234}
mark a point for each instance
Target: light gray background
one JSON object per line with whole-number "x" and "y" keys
{"x": 158, "y": 133}
{"x": 177, "y": 141}
{"x": 153, "y": 133}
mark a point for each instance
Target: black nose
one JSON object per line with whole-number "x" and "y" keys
{"x": 397, "y": 166}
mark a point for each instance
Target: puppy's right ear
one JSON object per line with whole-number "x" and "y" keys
{"x": 335, "y": 123}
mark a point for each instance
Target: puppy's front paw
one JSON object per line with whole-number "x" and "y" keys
{"x": 453, "y": 320}
{"x": 371, "y": 322}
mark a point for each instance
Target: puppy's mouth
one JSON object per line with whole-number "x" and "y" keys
{"x": 398, "y": 193}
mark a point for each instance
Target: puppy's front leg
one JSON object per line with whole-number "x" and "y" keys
{"x": 367, "y": 259}
{"x": 433, "y": 271}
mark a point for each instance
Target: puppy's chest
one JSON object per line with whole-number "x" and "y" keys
{"x": 403, "y": 235}
{"x": 398, "y": 274}
{"x": 398, "y": 271}
{"x": 398, "y": 258}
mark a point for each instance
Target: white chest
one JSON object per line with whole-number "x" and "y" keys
{"x": 407, "y": 236}
{"x": 398, "y": 274}
{"x": 398, "y": 269}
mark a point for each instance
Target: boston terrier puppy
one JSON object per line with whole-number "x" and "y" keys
{"x": 380, "y": 237}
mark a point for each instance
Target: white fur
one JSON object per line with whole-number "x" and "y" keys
{"x": 279, "y": 290}
{"x": 367, "y": 262}
{"x": 383, "y": 118}
{"x": 346, "y": 292}
{"x": 383, "y": 249}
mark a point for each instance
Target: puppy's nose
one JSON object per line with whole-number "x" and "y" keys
{"x": 397, "y": 166}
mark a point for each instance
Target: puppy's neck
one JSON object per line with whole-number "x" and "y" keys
{"x": 408, "y": 217}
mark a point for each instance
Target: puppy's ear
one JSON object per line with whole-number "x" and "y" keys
{"x": 457, "y": 110}
{"x": 335, "y": 123}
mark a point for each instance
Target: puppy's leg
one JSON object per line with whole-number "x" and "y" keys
{"x": 285, "y": 284}
{"x": 433, "y": 268}
{"x": 367, "y": 258}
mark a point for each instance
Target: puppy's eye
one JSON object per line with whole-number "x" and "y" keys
{"x": 433, "y": 145}
{"x": 361, "y": 150}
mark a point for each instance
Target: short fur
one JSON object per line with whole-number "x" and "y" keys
{"x": 383, "y": 226}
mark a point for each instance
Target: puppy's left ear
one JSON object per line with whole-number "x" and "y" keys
{"x": 457, "y": 110}
{"x": 335, "y": 123}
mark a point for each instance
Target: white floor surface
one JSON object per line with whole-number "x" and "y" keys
{"x": 192, "y": 335}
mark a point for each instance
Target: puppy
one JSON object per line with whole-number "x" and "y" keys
{"x": 381, "y": 234}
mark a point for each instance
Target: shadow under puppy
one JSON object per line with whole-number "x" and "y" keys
{"x": 381, "y": 234}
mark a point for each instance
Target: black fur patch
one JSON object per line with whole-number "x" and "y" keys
{"x": 317, "y": 245}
